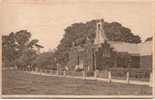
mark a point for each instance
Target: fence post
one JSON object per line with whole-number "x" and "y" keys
{"x": 127, "y": 77}
{"x": 37, "y": 70}
{"x": 57, "y": 72}
{"x": 83, "y": 72}
{"x": 40, "y": 71}
{"x": 64, "y": 73}
{"x": 57, "y": 68}
{"x": 109, "y": 76}
{"x": 95, "y": 73}
{"x": 150, "y": 81}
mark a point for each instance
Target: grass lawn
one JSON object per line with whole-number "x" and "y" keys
{"x": 18, "y": 82}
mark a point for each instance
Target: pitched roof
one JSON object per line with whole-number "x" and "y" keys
{"x": 144, "y": 48}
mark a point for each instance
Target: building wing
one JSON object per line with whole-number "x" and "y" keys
{"x": 144, "y": 48}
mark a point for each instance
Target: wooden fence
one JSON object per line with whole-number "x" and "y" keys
{"x": 107, "y": 76}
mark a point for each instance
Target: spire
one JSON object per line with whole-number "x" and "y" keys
{"x": 100, "y": 35}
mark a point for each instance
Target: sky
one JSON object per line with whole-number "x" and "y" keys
{"x": 47, "y": 20}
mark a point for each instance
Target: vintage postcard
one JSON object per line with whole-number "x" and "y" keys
{"x": 77, "y": 49}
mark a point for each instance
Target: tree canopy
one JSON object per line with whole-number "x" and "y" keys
{"x": 45, "y": 60}
{"x": 8, "y": 49}
{"x": 17, "y": 49}
{"x": 78, "y": 32}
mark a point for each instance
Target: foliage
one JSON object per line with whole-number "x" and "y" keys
{"x": 45, "y": 61}
{"x": 78, "y": 32}
{"x": 17, "y": 49}
{"x": 8, "y": 50}
{"x": 22, "y": 37}
{"x": 26, "y": 59}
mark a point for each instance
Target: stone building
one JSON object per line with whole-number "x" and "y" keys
{"x": 104, "y": 54}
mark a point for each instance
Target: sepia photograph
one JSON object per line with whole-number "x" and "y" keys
{"x": 77, "y": 49}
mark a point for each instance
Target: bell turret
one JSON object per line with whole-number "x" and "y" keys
{"x": 100, "y": 35}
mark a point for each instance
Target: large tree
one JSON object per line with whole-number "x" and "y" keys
{"x": 78, "y": 32}
{"x": 9, "y": 53}
{"x": 25, "y": 45}
{"x": 18, "y": 49}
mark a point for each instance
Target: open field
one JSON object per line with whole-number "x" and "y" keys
{"x": 18, "y": 82}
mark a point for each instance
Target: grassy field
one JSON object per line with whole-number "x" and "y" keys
{"x": 18, "y": 82}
